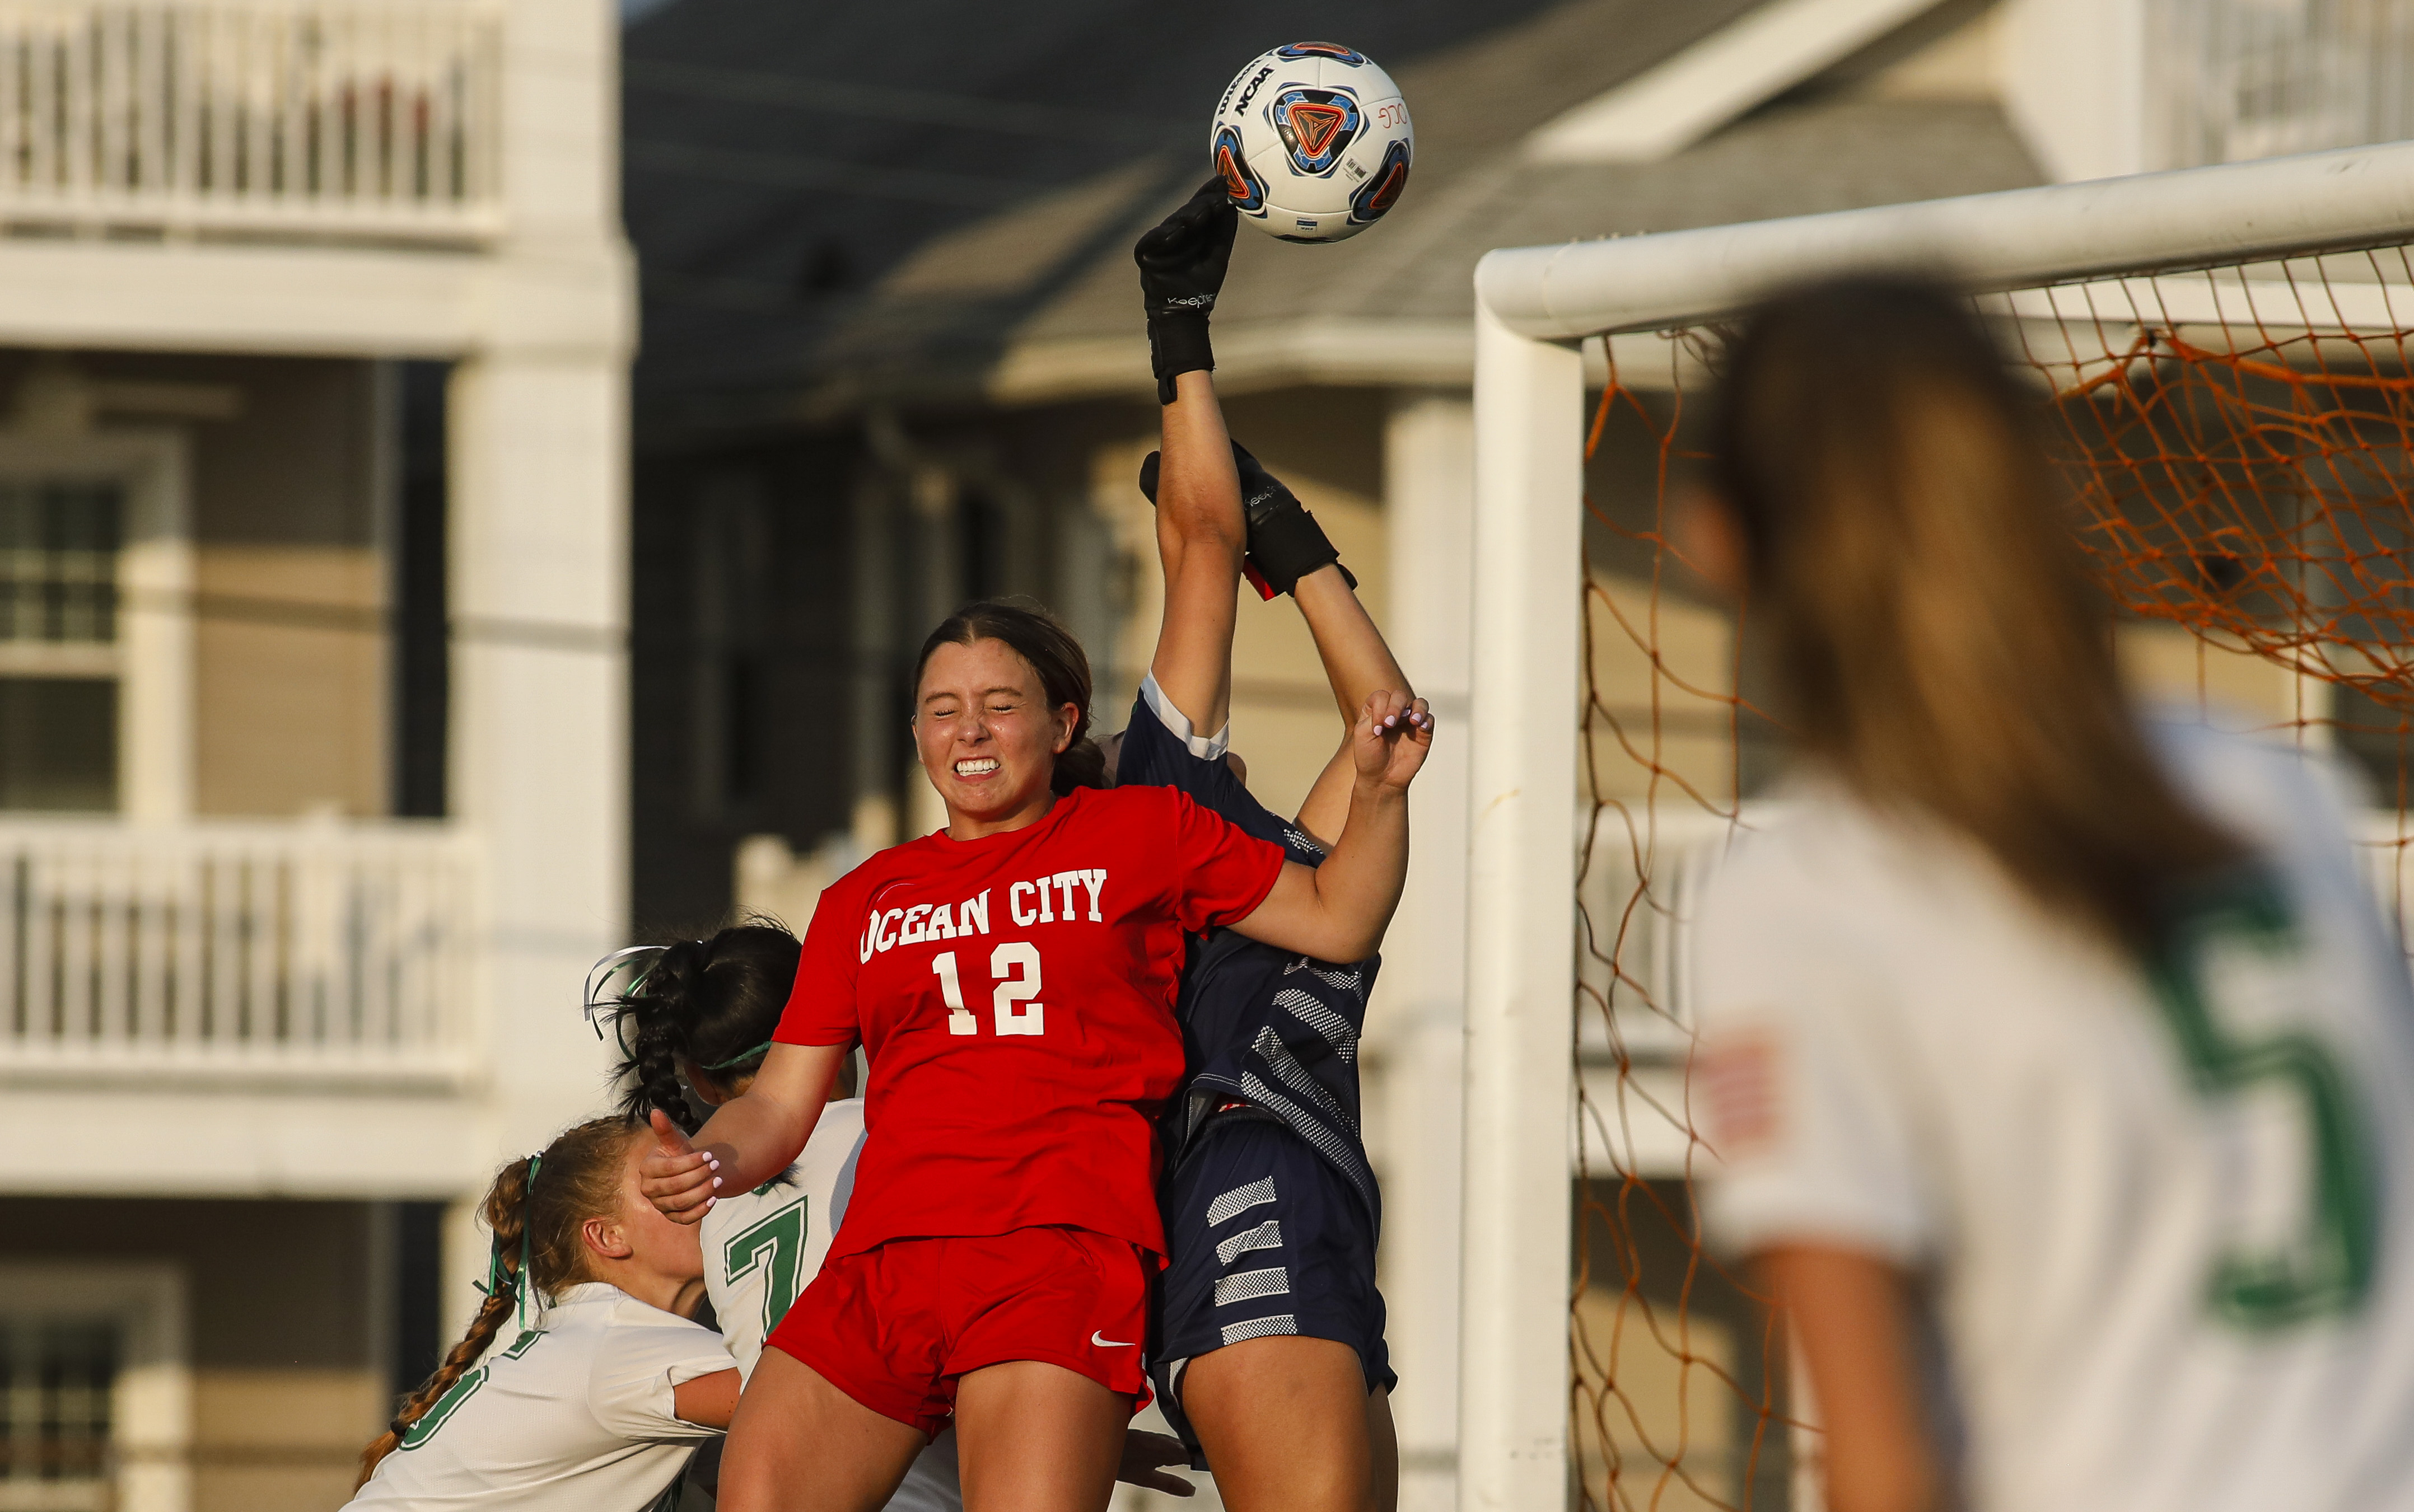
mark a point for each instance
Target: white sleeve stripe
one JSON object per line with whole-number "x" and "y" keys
{"x": 1207, "y": 748}
{"x": 1240, "y": 1199}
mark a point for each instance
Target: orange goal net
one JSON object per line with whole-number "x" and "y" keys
{"x": 2239, "y": 444}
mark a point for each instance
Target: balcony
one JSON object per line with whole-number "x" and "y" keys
{"x": 2235, "y": 79}
{"x": 316, "y": 954}
{"x": 340, "y": 119}
{"x": 1636, "y": 953}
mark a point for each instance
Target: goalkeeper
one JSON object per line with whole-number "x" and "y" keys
{"x": 1267, "y": 1330}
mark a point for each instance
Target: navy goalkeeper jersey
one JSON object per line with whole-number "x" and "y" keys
{"x": 1266, "y": 1027}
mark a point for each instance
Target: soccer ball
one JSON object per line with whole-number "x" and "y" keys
{"x": 1313, "y": 142}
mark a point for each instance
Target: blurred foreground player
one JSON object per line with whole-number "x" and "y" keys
{"x": 2058, "y": 1062}
{"x": 1267, "y": 1340}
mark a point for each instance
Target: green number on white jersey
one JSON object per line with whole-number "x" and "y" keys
{"x": 2327, "y": 1270}
{"x": 778, "y": 1244}
{"x": 463, "y": 1390}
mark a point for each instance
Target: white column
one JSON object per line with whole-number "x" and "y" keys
{"x": 538, "y": 428}
{"x": 1521, "y": 922}
{"x": 1420, "y": 1012}
{"x": 540, "y": 731}
{"x": 2077, "y": 83}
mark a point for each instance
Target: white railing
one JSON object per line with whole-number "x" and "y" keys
{"x": 1648, "y": 932}
{"x": 2237, "y": 80}
{"x": 323, "y": 118}
{"x": 312, "y": 950}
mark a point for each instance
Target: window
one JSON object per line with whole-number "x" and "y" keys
{"x": 94, "y": 1390}
{"x": 96, "y": 625}
{"x": 59, "y": 646}
{"x": 57, "y": 1376}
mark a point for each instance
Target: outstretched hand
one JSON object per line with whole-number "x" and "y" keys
{"x": 676, "y": 1178}
{"x": 1183, "y": 257}
{"x": 1390, "y": 740}
{"x": 1145, "y": 1456}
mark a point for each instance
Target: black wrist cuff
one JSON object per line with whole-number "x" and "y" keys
{"x": 1178, "y": 343}
{"x": 1286, "y": 543}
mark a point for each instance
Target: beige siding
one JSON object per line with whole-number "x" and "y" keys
{"x": 286, "y": 1323}
{"x": 266, "y": 1440}
{"x": 290, "y": 676}
{"x": 290, "y": 687}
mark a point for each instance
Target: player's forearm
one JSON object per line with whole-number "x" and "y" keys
{"x": 1847, "y": 1312}
{"x": 755, "y": 1138}
{"x": 1199, "y": 489}
{"x": 1358, "y": 663}
{"x": 757, "y": 1135}
{"x": 1357, "y": 660}
{"x": 1359, "y": 884}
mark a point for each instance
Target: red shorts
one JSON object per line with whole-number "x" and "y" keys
{"x": 895, "y": 1326}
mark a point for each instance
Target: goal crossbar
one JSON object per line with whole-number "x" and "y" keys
{"x": 1533, "y": 307}
{"x": 2195, "y": 218}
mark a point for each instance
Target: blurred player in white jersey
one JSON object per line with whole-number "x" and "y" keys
{"x": 582, "y": 1386}
{"x": 2033, "y": 1028}
{"x": 699, "y": 1015}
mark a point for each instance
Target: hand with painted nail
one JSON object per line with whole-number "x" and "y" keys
{"x": 676, "y": 1178}
{"x": 1390, "y": 741}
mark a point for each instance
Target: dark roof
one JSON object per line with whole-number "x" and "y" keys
{"x": 811, "y": 237}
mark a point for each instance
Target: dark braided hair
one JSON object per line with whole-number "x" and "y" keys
{"x": 713, "y": 1003}
{"x": 576, "y": 1178}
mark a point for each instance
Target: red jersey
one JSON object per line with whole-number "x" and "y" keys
{"x": 1014, "y": 995}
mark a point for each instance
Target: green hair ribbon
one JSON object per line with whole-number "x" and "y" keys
{"x": 742, "y": 1057}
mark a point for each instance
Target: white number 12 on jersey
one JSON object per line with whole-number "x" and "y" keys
{"x": 1016, "y": 1001}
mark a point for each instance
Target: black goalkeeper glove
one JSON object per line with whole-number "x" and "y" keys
{"x": 1181, "y": 262}
{"x": 1285, "y": 543}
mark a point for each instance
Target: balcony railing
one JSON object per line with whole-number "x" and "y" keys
{"x": 2235, "y": 79}
{"x": 1649, "y": 935}
{"x": 312, "y": 951}
{"x": 362, "y": 119}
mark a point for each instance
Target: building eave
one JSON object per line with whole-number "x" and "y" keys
{"x": 1326, "y": 352}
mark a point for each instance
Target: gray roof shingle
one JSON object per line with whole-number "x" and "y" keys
{"x": 975, "y": 212}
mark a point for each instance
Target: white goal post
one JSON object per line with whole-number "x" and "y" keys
{"x": 1534, "y": 307}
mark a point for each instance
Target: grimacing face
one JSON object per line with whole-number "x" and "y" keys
{"x": 985, "y": 731}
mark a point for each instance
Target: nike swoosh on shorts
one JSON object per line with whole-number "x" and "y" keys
{"x": 1104, "y": 1342}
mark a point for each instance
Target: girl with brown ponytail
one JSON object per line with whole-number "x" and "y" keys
{"x": 698, "y": 1016}
{"x": 581, "y": 1385}
{"x": 2055, "y": 1058}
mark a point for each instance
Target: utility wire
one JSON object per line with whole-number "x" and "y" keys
{"x": 879, "y": 102}
{"x": 794, "y": 170}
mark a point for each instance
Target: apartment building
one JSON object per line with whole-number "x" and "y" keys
{"x": 314, "y": 324}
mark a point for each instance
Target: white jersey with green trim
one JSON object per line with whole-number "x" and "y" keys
{"x": 575, "y": 1413}
{"x": 761, "y": 1248}
{"x": 2164, "y": 1211}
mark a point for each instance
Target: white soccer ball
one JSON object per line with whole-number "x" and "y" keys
{"x": 1313, "y": 142}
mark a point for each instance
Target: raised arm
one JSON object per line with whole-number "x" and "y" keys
{"x": 1337, "y": 912}
{"x": 748, "y": 1140}
{"x": 1358, "y": 663}
{"x": 1199, "y": 533}
{"x": 1200, "y": 541}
